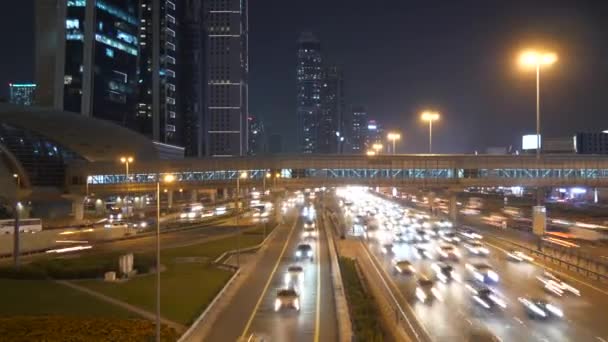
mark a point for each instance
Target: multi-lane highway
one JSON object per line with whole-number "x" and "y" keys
{"x": 457, "y": 314}
{"x": 254, "y": 311}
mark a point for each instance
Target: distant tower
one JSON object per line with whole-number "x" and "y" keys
{"x": 358, "y": 133}
{"x": 331, "y": 134}
{"x": 308, "y": 83}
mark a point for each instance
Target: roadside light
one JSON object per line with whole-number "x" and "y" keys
{"x": 168, "y": 178}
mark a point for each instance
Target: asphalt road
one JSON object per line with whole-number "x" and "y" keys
{"x": 251, "y": 310}
{"x": 457, "y": 316}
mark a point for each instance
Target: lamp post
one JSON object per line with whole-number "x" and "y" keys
{"x": 535, "y": 59}
{"x": 240, "y": 175}
{"x": 394, "y": 137}
{"x": 377, "y": 147}
{"x": 430, "y": 117}
{"x": 276, "y": 176}
{"x": 16, "y": 227}
{"x": 266, "y": 175}
{"x": 370, "y": 153}
{"x": 127, "y": 160}
{"x": 166, "y": 179}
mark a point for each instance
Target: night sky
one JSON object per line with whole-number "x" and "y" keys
{"x": 402, "y": 56}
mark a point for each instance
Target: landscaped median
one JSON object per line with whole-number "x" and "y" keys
{"x": 189, "y": 282}
{"x": 363, "y": 310}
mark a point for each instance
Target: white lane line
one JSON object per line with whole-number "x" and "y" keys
{"x": 519, "y": 320}
{"x": 557, "y": 271}
{"x": 600, "y": 339}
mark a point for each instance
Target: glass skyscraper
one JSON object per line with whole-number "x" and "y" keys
{"x": 308, "y": 83}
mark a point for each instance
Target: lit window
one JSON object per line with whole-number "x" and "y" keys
{"x": 72, "y": 24}
{"x": 109, "y": 52}
{"x": 67, "y": 79}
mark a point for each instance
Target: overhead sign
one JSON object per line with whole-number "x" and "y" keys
{"x": 530, "y": 142}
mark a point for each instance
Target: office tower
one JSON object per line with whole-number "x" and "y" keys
{"x": 22, "y": 93}
{"x": 374, "y": 134}
{"x": 591, "y": 143}
{"x": 226, "y": 72}
{"x": 358, "y": 133}
{"x": 87, "y": 57}
{"x": 257, "y": 136}
{"x": 157, "y": 113}
{"x": 331, "y": 133}
{"x": 191, "y": 80}
{"x": 308, "y": 83}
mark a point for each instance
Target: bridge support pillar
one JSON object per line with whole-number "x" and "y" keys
{"x": 170, "y": 199}
{"x": 223, "y": 193}
{"x": 453, "y": 207}
{"x": 78, "y": 207}
{"x": 194, "y": 196}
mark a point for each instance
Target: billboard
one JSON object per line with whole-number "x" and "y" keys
{"x": 529, "y": 142}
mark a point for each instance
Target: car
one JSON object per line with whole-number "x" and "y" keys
{"x": 448, "y": 252}
{"x": 519, "y": 256}
{"x": 426, "y": 291}
{"x": 540, "y": 308}
{"x": 294, "y": 275}
{"x": 287, "y": 298}
{"x": 422, "y": 252}
{"x": 399, "y": 237}
{"x": 471, "y": 234}
{"x": 309, "y": 233}
{"x": 309, "y": 224}
{"x": 482, "y": 272}
{"x": 403, "y": 266}
{"x": 387, "y": 248}
{"x": 422, "y": 237}
{"x": 476, "y": 248}
{"x": 485, "y": 296}
{"x": 304, "y": 251}
{"x": 449, "y": 237}
{"x": 556, "y": 285}
{"x": 444, "y": 272}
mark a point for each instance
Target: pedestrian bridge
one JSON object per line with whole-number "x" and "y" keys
{"x": 456, "y": 171}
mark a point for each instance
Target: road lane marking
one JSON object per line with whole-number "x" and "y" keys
{"x": 600, "y": 339}
{"x": 318, "y": 313}
{"x": 274, "y": 270}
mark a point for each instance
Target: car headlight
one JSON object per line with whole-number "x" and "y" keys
{"x": 420, "y": 295}
{"x": 277, "y": 304}
{"x": 309, "y": 253}
{"x": 298, "y": 254}
{"x": 183, "y": 215}
{"x": 144, "y": 224}
{"x": 296, "y": 304}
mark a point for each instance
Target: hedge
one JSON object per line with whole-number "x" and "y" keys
{"x": 76, "y": 329}
{"x": 363, "y": 310}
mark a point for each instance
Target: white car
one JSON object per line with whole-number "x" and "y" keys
{"x": 287, "y": 298}
{"x": 557, "y": 286}
{"x": 450, "y": 237}
{"x": 471, "y": 234}
{"x": 519, "y": 256}
{"x": 485, "y": 296}
{"x": 541, "y": 309}
{"x": 448, "y": 252}
{"x": 426, "y": 291}
{"x": 294, "y": 276}
{"x": 477, "y": 248}
{"x": 309, "y": 233}
{"x": 482, "y": 272}
{"x": 403, "y": 266}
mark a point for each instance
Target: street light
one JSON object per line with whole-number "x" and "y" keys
{"x": 536, "y": 59}
{"x": 377, "y": 147}
{"x": 267, "y": 175}
{"x": 242, "y": 175}
{"x": 370, "y": 153}
{"x": 430, "y": 116}
{"x": 166, "y": 179}
{"x": 394, "y": 137}
{"x": 127, "y": 160}
{"x": 16, "y": 223}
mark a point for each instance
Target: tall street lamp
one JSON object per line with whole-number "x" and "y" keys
{"x": 536, "y": 59}
{"x": 241, "y": 175}
{"x": 394, "y": 137}
{"x": 16, "y": 225}
{"x": 166, "y": 179}
{"x": 266, "y": 175}
{"x": 127, "y": 160}
{"x": 430, "y": 116}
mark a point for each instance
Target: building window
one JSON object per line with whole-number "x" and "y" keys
{"x": 109, "y": 52}
{"x": 170, "y": 128}
{"x": 170, "y": 18}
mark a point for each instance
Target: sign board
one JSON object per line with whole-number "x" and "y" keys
{"x": 539, "y": 220}
{"x": 529, "y": 142}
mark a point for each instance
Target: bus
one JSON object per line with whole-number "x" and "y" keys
{"x": 30, "y": 225}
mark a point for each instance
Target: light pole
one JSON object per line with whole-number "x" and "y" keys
{"x": 16, "y": 227}
{"x": 430, "y": 117}
{"x": 127, "y": 160}
{"x": 240, "y": 175}
{"x": 377, "y": 147}
{"x": 267, "y": 175}
{"x": 394, "y": 137}
{"x": 535, "y": 59}
{"x": 166, "y": 179}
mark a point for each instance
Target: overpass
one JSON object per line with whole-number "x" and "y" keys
{"x": 432, "y": 171}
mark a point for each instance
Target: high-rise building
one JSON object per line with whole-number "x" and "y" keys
{"x": 191, "y": 80}
{"x": 308, "y": 83}
{"x": 87, "y": 57}
{"x": 330, "y": 133}
{"x": 158, "y": 71}
{"x": 257, "y": 136}
{"x": 22, "y": 93}
{"x": 591, "y": 143}
{"x": 226, "y": 72}
{"x": 358, "y": 131}
{"x": 374, "y": 134}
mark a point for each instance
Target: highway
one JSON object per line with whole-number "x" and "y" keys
{"x": 457, "y": 316}
{"x": 251, "y": 310}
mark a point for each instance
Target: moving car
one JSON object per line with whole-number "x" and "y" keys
{"x": 287, "y": 298}
{"x": 485, "y": 296}
{"x": 294, "y": 276}
{"x": 309, "y": 224}
{"x": 482, "y": 272}
{"x": 519, "y": 256}
{"x": 304, "y": 251}
{"x": 403, "y": 266}
{"x": 449, "y": 236}
{"x": 477, "y": 248}
{"x": 444, "y": 272}
{"x": 422, "y": 252}
{"x": 556, "y": 285}
{"x": 540, "y": 309}
{"x": 426, "y": 291}
{"x": 448, "y": 252}
{"x": 471, "y": 234}
{"x": 387, "y": 248}
{"x": 309, "y": 233}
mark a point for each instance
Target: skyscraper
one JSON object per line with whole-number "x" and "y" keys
{"x": 358, "y": 132}
{"x": 158, "y": 41}
{"x": 257, "y": 136}
{"x": 22, "y": 93}
{"x": 308, "y": 83}
{"x": 332, "y": 107}
{"x": 87, "y": 57}
{"x": 226, "y": 72}
{"x": 374, "y": 134}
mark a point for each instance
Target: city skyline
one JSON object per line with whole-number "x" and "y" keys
{"x": 473, "y": 84}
